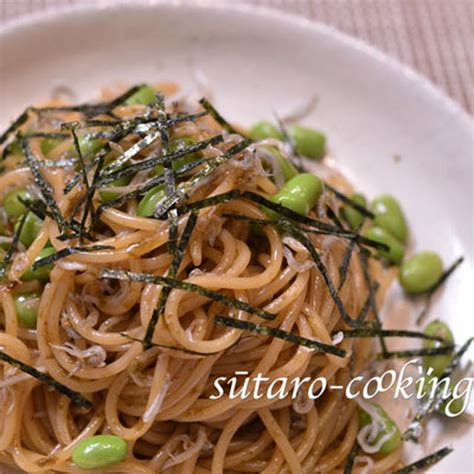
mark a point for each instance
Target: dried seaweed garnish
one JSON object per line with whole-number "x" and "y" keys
{"x": 306, "y": 242}
{"x": 184, "y": 241}
{"x": 209, "y": 202}
{"x": 217, "y": 116}
{"x": 425, "y": 462}
{"x": 51, "y": 135}
{"x": 351, "y": 458}
{"x": 347, "y": 200}
{"x": 68, "y": 251}
{"x": 161, "y": 346}
{"x": 430, "y": 351}
{"x": 81, "y": 158}
{"x": 433, "y": 403}
{"x": 157, "y": 159}
{"x": 134, "y": 150}
{"x": 170, "y": 186}
{"x": 373, "y": 331}
{"x": 310, "y": 222}
{"x": 36, "y": 206}
{"x": 280, "y": 334}
{"x": 88, "y": 206}
{"x": 45, "y": 378}
{"x": 143, "y": 123}
{"x": 13, "y": 246}
{"x": 186, "y": 286}
{"x": 91, "y": 110}
{"x": 371, "y": 287}
{"x": 116, "y": 136}
{"x": 17, "y": 123}
{"x": 186, "y": 187}
{"x": 446, "y": 274}
{"x": 176, "y": 262}
{"x": 346, "y": 261}
{"x": 43, "y": 185}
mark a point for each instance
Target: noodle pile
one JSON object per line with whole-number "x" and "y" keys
{"x": 90, "y": 329}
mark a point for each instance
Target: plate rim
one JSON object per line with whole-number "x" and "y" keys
{"x": 430, "y": 89}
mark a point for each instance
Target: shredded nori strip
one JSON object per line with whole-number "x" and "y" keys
{"x": 81, "y": 158}
{"x": 91, "y": 110}
{"x": 294, "y": 216}
{"x": 430, "y": 351}
{"x": 170, "y": 186}
{"x": 117, "y": 135}
{"x": 161, "y": 346}
{"x": 209, "y": 202}
{"x": 374, "y": 331}
{"x": 280, "y": 334}
{"x": 134, "y": 150}
{"x": 15, "y": 125}
{"x": 372, "y": 287}
{"x": 446, "y": 274}
{"x": 351, "y": 458}
{"x": 44, "y": 186}
{"x": 346, "y": 260}
{"x": 52, "y": 135}
{"x": 433, "y": 403}
{"x": 45, "y": 378}
{"x": 153, "y": 161}
{"x": 184, "y": 188}
{"x": 186, "y": 286}
{"x": 306, "y": 242}
{"x": 143, "y": 123}
{"x": 13, "y": 246}
{"x": 217, "y": 116}
{"x": 66, "y": 252}
{"x": 363, "y": 210}
{"x": 88, "y": 207}
{"x": 425, "y": 462}
{"x": 36, "y": 206}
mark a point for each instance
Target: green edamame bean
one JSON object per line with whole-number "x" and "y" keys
{"x": 438, "y": 363}
{"x": 88, "y": 145}
{"x": 421, "y": 272}
{"x": 451, "y": 406}
{"x": 396, "y": 251}
{"x": 14, "y": 148}
{"x": 300, "y": 194}
{"x": 394, "y": 442}
{"x": 107, "y": 196}
{"x": 41, "y": 273}
{"x": 147, "y": 205}
{"x": 26, "y": 307}
{"x": 144, "y": 96}
{"x": 99, "y": 451}
{"x": 49, "y": 144}
{"x": 262, "y": 130}
{"x": 287, "y": 169}
{"x": 308, "y": 142}
{"x": 389, "y": 216}
{"x": 351, "y": 215}
{"x": 30, "y": 229}
{"x": 12, "y": 204}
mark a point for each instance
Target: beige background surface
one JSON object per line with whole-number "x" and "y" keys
{"x": 434, "y": 37}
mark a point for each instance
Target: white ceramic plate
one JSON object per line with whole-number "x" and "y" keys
{"x": 259, "y": 61}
